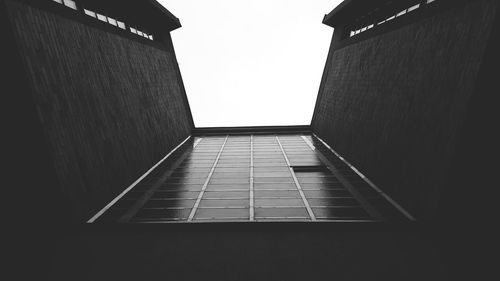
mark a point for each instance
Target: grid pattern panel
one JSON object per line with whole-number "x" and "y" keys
{"x": 251, "y": 178}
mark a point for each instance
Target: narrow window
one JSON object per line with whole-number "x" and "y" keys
{"x": 102, "y": 18}
{"x": 429, "y": 1}
{"x": 112, "y": 21}
{"x": 413, "y": 7}
{"x": 139, "y": 32}
{"x": 58, "y": 1}
{"x": 90, "y": 13}
{"x": 150, "y": 37}
{"x": 71, "y": 4}
{"x": 388, "y": 19}
{"x": 121, "y": 24}
{"x": 401, "y": 13}
{"x": 133, "y": 30}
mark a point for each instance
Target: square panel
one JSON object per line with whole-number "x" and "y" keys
{"x": 224, "y": 203}
{"x": 218, "y": 213}
{"x": 292, "y": 202}
{"x": 217, "y": 175}
{"x": 276, "y": 194}
{"x": 271, "y": 169}
{"x": 245, "y": 170}
{"x": 274, "y": 179}
{"x": 275, "y": 186}
{"x": 271, "y": 174}
{"x": 230, "y": 180}
{"x": 226, "y": 195}
{"x": 281, "y": 213}
{"x": 225, "y": 187}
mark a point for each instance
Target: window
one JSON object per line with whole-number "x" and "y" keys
{"x": 70, "y": 3}
{"x": 413, "y": 7}
{"x": 112, "y": 21}
{"x": 401, "y": 13}
{"x": 102, "y": 18}
{"x": 121, "y": 24}
{"x": 90, "y": 13}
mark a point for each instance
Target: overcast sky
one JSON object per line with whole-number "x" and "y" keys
{"x": 251, "y": 63}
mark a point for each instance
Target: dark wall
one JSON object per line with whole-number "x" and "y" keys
{"x": 393, "y": 103}
{"x": 110, "y": 107}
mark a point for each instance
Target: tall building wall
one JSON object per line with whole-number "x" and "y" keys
{"x": 392, "y": 101}
{"x": 110, "y": 106}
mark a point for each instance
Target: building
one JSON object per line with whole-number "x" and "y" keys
{"x": 391, "y": 180}
{"x": 248, "y": 174}
{"x": 101, "y": 95}
{"x": 406, "y": 95}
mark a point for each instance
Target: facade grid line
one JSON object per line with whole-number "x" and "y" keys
{"x": 202, "y": 192}
{"x": 297, "y": 184}
{"x": 252, "y": 200}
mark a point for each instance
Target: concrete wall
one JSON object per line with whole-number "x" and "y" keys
{"x": 110, "y": 107}
{"x": 392, "y": 103}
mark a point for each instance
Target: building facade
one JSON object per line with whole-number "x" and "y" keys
{"x": 406, "y": 96}
{"x": 96, "y": 88}
{"x": 99, "y": 130}
{"x": 253, "y": 177}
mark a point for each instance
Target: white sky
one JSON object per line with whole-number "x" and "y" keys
{"x": 253, "y": 62}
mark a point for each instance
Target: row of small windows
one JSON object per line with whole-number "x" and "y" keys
{"x": 405, "y": 11}
{"x": 67, "y": 3}
{"x": 72, "y": 4}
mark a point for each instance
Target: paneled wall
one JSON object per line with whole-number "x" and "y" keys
{"x": 393, "y": 103}
{"x": 110, "y": 107}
